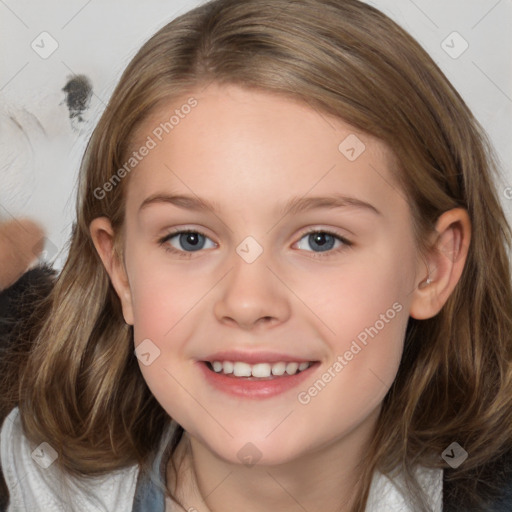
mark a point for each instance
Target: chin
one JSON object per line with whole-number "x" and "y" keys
{"x": 249, "y": 451}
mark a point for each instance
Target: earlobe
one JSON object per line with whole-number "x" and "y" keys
{"x": 445, "y": 264}
{"x": 103, "y": 238}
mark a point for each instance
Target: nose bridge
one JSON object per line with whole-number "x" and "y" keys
{"x": 251, "y": 291}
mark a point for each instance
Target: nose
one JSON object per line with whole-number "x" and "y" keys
{"x": 252, "y": 295}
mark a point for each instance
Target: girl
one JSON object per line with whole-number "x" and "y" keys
{"x": 287, "y": 286}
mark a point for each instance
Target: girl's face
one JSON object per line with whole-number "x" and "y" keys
{"x": 250, "y": 174}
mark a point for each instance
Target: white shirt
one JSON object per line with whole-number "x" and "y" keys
{"x": 35, "y": 483}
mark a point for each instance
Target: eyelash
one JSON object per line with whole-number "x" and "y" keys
{"x": 188, "y": 254}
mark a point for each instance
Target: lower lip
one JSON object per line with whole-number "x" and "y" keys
{"x": 255, "y": 389}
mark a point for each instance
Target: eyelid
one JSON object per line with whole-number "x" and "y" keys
{"x": 320, "y": 229}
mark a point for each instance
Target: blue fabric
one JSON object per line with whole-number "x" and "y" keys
{"x": 148, "y": 497}
{"x": 150, "y": 489}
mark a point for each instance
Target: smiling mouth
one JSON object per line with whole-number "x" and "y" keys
{"x": 259, "y": 371}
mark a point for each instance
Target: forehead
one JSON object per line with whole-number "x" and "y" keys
{"x": 236, "y": 140}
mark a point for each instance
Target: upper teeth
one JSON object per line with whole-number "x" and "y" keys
{"x": 240, "y": 369}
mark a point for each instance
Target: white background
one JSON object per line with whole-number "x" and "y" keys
{"x": 97, "y": 38}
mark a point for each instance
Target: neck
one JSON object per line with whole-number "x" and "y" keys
{"x": 324, "y": 479}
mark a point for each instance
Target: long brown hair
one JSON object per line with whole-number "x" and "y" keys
{"x": 80, "y": 388}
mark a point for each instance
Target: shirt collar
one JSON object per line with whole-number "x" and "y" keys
{"x": 390, "y": 494}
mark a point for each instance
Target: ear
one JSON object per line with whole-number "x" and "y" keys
{"x": 103, "y": 238}
{"x": 445, "y": 264}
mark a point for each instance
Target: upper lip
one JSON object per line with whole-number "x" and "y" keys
{"x": 255, "y": 357}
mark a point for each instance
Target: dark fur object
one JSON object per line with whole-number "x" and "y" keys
{"x": 16, "y": 305}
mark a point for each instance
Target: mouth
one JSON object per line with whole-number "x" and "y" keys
{"x": 256, "y": 381}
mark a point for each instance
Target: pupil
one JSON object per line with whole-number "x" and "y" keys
{"x": 323, "y": 240}
{"x": 192, "y": 238}
{"x": 190, "y": 241}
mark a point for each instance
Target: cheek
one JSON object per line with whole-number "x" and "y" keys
{"x": 368, "y": 292}
{"x": 363, "y": 313}
{"x": 160, "y": 316}
{"x": 164, "y": 302}
{"x": 367, "y": 310}
{"x": 162, "y": 295}
{"x": 364, "y": 357}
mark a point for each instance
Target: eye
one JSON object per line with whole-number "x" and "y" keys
{"x": 189, "y": 240}
{"x": 323, "y": 241}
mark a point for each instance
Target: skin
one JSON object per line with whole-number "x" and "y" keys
{"x": 21, "y": 242}
{"x": 250, "y": 152}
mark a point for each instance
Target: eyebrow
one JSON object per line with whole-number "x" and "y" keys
{"x": 293, "y": 206}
